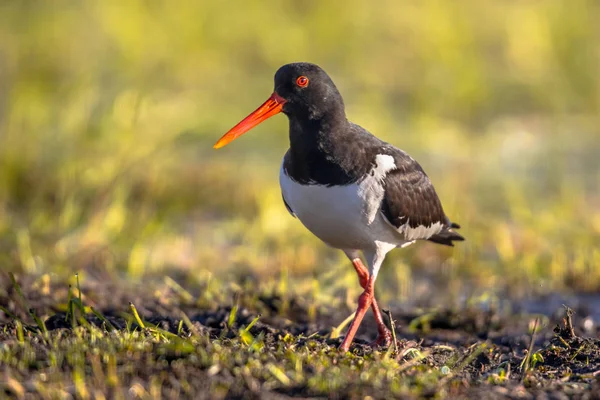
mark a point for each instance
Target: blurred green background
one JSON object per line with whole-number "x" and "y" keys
{"x": 109, "y": 109}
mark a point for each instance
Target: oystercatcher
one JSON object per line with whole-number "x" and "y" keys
{"x": 352, "y": 190}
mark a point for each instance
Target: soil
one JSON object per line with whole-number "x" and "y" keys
{"x": 487, "y": 347}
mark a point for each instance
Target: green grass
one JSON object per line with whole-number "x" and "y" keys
{"x": 227, "y": 351}
{"x": 110, "y": 354}
{"x": 98, "y": 362}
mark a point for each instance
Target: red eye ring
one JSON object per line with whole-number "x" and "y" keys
{"x": 302, "y": 81}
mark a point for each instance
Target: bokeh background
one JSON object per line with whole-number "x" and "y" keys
{"x": 108, "y": 113}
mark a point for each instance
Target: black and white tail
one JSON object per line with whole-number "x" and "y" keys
{"x": 447, "y": 236}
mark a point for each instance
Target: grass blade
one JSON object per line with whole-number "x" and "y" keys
{"x": 69, "y": 298}
{"x": 335, "y": 332}
{"x": 393, "y": 326}
{"x": 39, "y": 322}
{"x": 78, "y": 289}
{"x": 17, "y": 288}
{"x": 137, "y": 316}
{"x": 8, "y": 313}
{"x": 189, "y": 324}
{"x": 110, "y": 327}
{"x": 233, "y": 312}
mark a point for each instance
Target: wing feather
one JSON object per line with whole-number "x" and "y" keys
{"x": 411, "y": 204}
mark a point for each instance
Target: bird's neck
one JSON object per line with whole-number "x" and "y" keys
{"x": 314, "y": 137}
{"x": 315, "y": 149}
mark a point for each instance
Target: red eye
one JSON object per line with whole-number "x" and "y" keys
{"x": 302, "y": 81}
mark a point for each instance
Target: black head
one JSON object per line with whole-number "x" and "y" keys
{"x": 308, "y": 91}
{"x": 303, "y": 91}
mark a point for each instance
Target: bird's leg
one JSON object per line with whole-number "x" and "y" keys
{"x": 384, "y": 337}
{"x": 364, "y": 301}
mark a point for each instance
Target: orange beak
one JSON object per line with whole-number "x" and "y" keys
{"x": 269, "y": 108}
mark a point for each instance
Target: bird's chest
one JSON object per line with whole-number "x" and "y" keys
{"x": 344, "y": 216}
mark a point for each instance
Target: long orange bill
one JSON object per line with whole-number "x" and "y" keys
{"x": 269, "y": 108}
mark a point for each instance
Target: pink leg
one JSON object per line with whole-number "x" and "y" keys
{"x": 364, "y": 301}
{"x": 384, "y": 337}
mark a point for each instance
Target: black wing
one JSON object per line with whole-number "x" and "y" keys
{"x": 410, "y": 200}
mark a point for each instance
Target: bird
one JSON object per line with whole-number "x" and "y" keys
{"x": 349, "y": 188}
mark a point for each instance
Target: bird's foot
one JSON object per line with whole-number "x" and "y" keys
{"x": 384, "y": 339}
{"x": 344, "y": 348}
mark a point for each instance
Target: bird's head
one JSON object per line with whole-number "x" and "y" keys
{"x": 302, "y": 90}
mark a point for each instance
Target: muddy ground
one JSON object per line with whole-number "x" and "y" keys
{"x": 470, "y": 352}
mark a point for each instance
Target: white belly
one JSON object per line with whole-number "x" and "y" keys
{"x": 344, "y": 217}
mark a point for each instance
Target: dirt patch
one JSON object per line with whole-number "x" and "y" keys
{"x": 263, "y": 346}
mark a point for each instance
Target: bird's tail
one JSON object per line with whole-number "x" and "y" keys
{"x": 447, "y": 236}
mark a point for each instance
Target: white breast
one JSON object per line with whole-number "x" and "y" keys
{"x": 345, "y": 217}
